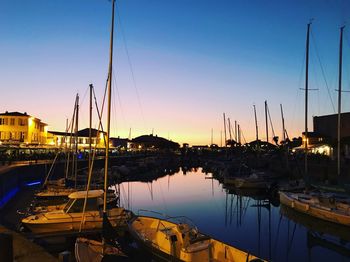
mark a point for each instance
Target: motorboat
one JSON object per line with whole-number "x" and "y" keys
{"x": 181, "y": 241}
{"x": 72, "y": 218}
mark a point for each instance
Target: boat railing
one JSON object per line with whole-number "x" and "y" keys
{"x": 175, "y": 219}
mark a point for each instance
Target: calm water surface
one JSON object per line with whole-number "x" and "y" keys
{"x": 249, "y": 223}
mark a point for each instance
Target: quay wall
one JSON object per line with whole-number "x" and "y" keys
{"x": 18, "y": 175}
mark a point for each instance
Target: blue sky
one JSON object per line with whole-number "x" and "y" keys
{"x": 191, "y": 61}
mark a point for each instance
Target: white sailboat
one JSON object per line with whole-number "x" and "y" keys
{"x": 332, "y": 208}
{"x": 87, "y": 250}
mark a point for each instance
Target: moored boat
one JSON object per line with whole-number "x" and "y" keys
{"x": 327, "y": 207}
{"x": 174, "y": 241}
{"x": 71, "y": 218}
{"x": 255, "y": 180}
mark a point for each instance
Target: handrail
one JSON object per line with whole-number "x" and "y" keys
{"x": 167, "y": 217}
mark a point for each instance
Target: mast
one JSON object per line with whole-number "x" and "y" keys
{"x": 256, "y": 125}
{"x": 267, "y": 124}
{"x": 229, "y": 129}
{"x": 339, "y": 93}
{"x": 285, "y": 145}
{"x": 76, "y": 143}
{"x": 283, "y": 128}
{"x": 211, "y": 136}
{"x": 109, "y": 92}
{"x": 225, "y": 129}
{"x": 306, "y": 92}
{"x": 236, "y": 136}
{"x": 90, "y": 123}
{"x": 239, "y": 134}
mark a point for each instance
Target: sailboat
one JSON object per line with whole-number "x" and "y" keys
{"x": 57, "y": 190}
{"x": 85, "y": 210}
{"x": 330, "y": 207}
{"x": 86, "y": 249}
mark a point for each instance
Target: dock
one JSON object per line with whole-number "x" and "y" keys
{"x": 23, "y": 249}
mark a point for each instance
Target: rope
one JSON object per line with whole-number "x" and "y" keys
{"x": 268, "y": 112}
{"x": 322, "y": 70}
{"x": 130, "y": 66}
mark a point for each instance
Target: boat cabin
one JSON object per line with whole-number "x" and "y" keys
{"x": 77, "y": 199}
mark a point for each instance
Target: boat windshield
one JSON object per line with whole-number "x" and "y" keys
{"x": 78, "y": 205}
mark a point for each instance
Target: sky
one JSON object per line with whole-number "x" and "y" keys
{"x": 178, "y": 65}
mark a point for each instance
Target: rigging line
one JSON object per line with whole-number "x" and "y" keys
{"x": 131, "y": 68}
{"x": 90, "y": 174}
{"x": 322, "y": 70}
{"x": 81, "y": 107}
{"x": 273, "y": 131}
{"x": 298, "y": 90}
{"x": 114, "y": 108}
{"x": 99, "y": 114}
{"x": 118, "y": 97}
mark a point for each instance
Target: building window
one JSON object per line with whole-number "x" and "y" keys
{"x": 6, "y": 121}
{"x": 12, "y": 121}
{"x": 1, "y": 121}
{"x": 21, "y": 136}
{"x": 81, "y": 141}
{"x": 22, "y": 122}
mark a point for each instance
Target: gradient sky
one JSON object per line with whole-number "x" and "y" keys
{"x": 190, "y": 61}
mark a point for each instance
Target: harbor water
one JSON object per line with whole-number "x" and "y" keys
{"x": 247, "y": 220}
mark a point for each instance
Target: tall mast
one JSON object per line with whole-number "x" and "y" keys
{"x": 76, "y": 142}
{"x": 256, "y": 124}
{"x": 109, "y": 91}
{"x": 225, "y": 129}
{"x": 283, "y": 127}
{"x": 236, "y": 136}
{"x": 90, "y": 123}
{"x": 339, "y": 93}
{"x": 306, "y": 91}
{"x": 267, "y": 124}
{"x": 211, "y": 136}
{"x": 239, "y": 134}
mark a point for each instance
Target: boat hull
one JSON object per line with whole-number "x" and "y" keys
{"x": 315, "y": 210}
{"x": 60, "y": 222}
{"x": 161, "y": 239}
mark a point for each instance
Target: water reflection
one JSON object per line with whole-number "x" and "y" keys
{"x": 250, "y": 220}
{"x": 320, "y": 233}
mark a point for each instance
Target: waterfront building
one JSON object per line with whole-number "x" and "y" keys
{"x": 327, "y": 129}
{"x": 123, "y": 144}
{"x": 20, "y": 128}
{"x": 324, "y": 137}
{"x": 327, "y": 125}
{"x": 65, "y": 139}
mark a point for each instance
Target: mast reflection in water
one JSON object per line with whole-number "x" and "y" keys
{"x": 245, "y": 219}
